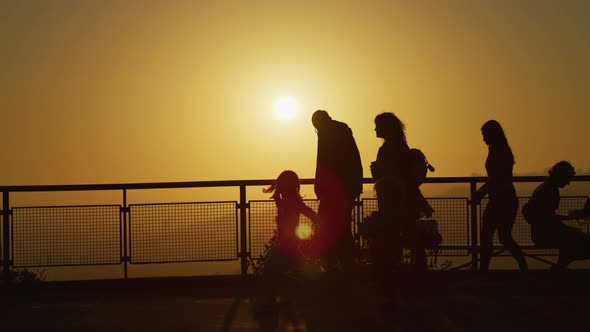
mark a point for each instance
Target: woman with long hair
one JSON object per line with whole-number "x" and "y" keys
{"x": 405, "y": 201}
{"x": 500, "y": 212}
{"x": 397, "y": 200}
{"x": 388, "y": 171}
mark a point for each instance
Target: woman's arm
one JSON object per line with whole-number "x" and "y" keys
{"x": 481, "y": 192}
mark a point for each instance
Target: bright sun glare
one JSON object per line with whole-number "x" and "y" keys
{"x": 303, "y": 231}
{"x": 285, "y": 108}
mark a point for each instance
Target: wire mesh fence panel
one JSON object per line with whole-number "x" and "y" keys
{"x": 66, "y": 235}
{"x": 262, "y": 222}
{"x": 521, "y": 231}
{"x": 183, "y": 232}
{"x": 452, "y": 217}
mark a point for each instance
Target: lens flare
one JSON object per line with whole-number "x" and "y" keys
{"x": 303, "y": 231}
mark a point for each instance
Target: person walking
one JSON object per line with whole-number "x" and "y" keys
{"x": 338, "y": 182}
{"x": 500, "y": 212}
{"x": 403, "y": 203}
{"x": 285, "y": 253}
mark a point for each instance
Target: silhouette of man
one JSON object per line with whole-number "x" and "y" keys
{"x": 338, "y": 182}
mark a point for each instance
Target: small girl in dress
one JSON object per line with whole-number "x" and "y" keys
{"x": 284, "y": 255}
{"x": 290, "y": 205}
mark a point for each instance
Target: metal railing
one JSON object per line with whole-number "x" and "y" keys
{"x": 79, "y": 235}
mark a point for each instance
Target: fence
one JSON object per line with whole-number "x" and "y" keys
{"x": 155, "y": 233}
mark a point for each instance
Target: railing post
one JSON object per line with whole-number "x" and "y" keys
{"x": 358, "y": 217}
{"x": 6, "y": 233}
{"x": 474, "y": 234}
{"x": 125, "y": 254}
{"x": 243, "y": 230}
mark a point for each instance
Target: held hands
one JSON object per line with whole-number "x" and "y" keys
{"x": 375, "y": 170}
{"x": 478, "y": 196}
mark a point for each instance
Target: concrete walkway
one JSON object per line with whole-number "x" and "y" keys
{"x": 443, "y": 301}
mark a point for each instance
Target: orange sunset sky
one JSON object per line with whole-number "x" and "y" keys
{"x": 149, "y": 91}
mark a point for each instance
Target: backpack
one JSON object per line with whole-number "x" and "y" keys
{"x": 418, "y": 166}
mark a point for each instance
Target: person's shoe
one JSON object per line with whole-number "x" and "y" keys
{"x": 558, "y": 268}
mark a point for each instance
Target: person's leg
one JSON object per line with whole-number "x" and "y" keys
{"x": 335, "y": 240}
{"x": 505, "y": 237}
{"x": 585, "y": 247}
{"x": 573, "y": 245}
{"x": 563, "y": 261}
{"x": 486, "y": 238}
{"x": 322, "y": 239}
{"x": 345, "y": 243}
{"x": 418, "y": 258}
{"x": 417, "y": 252}
{"x": 265, "y": 307}
{"x": 386, "y": 248}
{"x": 344, "y": 248}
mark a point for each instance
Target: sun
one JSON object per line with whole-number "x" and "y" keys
{"x": 285, "y": 108}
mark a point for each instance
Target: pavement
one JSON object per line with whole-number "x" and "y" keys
{"x": 437, "y": 301}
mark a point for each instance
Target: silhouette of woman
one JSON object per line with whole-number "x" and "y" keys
{"x": 388, "y": 172}
{"x": 392, "y": 165}
{"x": 500, "y": 213}
{"x": 391, "y": 188}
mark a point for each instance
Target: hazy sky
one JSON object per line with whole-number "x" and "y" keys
{"x": 148, "y": 91}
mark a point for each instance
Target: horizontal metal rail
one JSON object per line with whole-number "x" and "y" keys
{"x": 237, "y": 183}
{"x": 239, "y": 226}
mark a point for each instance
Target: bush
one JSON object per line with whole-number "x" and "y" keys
{"x": 25, "y": 277}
